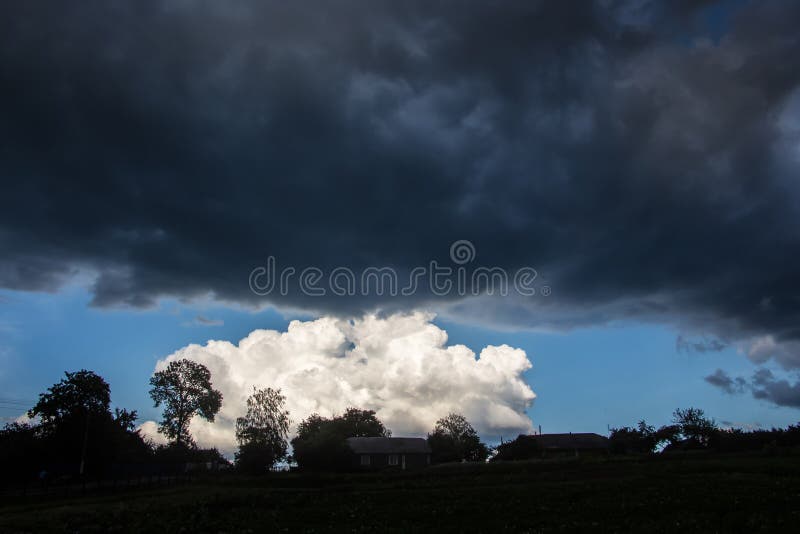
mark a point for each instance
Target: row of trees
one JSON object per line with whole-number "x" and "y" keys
{"x": 320, "y": 442}
{"x": 690, "y": 429}
{"x": 72, "y": 428}
{"x": 184, "y": 388}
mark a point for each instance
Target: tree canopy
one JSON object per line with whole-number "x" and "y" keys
{"x": 694, "y": 426}
{"x": 453, "y": 440}
{"x": 642, "y": 439}
{"x": 524, "y": 447}
{"x": 320, "y": 442}
{"x": 690, "y": 429}
{"x": 72, "y": 430}
{"x": 263, "y": 431}
{"x": 80, "y": 394}
{"x": 185, "y": 390}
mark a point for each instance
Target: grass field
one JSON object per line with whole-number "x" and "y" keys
{"x": 695, "y": 493}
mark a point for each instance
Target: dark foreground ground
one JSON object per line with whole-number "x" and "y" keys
{"x": 695, "y": 493}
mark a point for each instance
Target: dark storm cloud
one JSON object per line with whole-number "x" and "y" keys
{"x": 641, "y": 155}
{"x": 777, "y": 391}
{"x": 722, "y": 380}
{"x": 763, "y": 385}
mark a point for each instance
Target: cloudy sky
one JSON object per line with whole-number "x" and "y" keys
{"x": 640, "y": 158}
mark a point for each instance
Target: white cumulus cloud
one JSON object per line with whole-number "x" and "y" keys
{"x": 400, "y": 366}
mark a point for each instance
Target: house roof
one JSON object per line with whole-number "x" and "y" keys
{"x": 388, "y": 445}
{"x": 572, "y": 441}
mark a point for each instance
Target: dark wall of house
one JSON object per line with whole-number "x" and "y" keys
{"x": 381, "y": 461}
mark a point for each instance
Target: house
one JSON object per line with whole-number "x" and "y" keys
{"x": 382, "y": 453}
{"x": 577, "y": 444}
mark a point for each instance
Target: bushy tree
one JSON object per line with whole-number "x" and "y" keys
{"x": 524, "y": 447}
{"x": 454, "y": 440}
{"x": 642, "y": 439}
{"x": 126, "y": 419}
{"x": 263, "y": 431}
{"x": 74, "y": 399}
{"x": 76, "y": 430}
{"x": 320, "y": 442}
{"x": 668, "y": 434}
{"x": 355, "y": 423}
{"x": 185, "y": 390}
{"x": 695, "y": 427}
{"x": 323, "y": 450}
{"x": 738, "y": 440}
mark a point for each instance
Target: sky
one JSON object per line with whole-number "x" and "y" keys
{"x": 573, "y": 215}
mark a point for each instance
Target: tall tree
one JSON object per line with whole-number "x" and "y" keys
{"x": 76, "y": 425}
{"x": 185, "y": 390}
{"x": 67, "y": 408}
{"x": 453, "y": 439}
{"x": 78, "y": 396}
{"x": 263, "y": 432}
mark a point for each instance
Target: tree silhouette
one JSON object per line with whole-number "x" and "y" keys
{"x": 75, "y": 398}
{"x": 642, "y": 439}
{"x": 355, "y": 423}
{"x": 126, "y": 419}
{"x": 320, "y": 442}
{"x": 453, "y": 439}
{"x": 67, "y": 408}
{"x": 263, "y": 432}
{"x": 694, "y": 426}
{"x": 185, "y": 390}
{"x": 75, "y": 429}
{"x": 524, "y": 447}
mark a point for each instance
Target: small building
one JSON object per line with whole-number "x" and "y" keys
{"x": 384, "y": 453}
{"x": 572, "y": 444}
